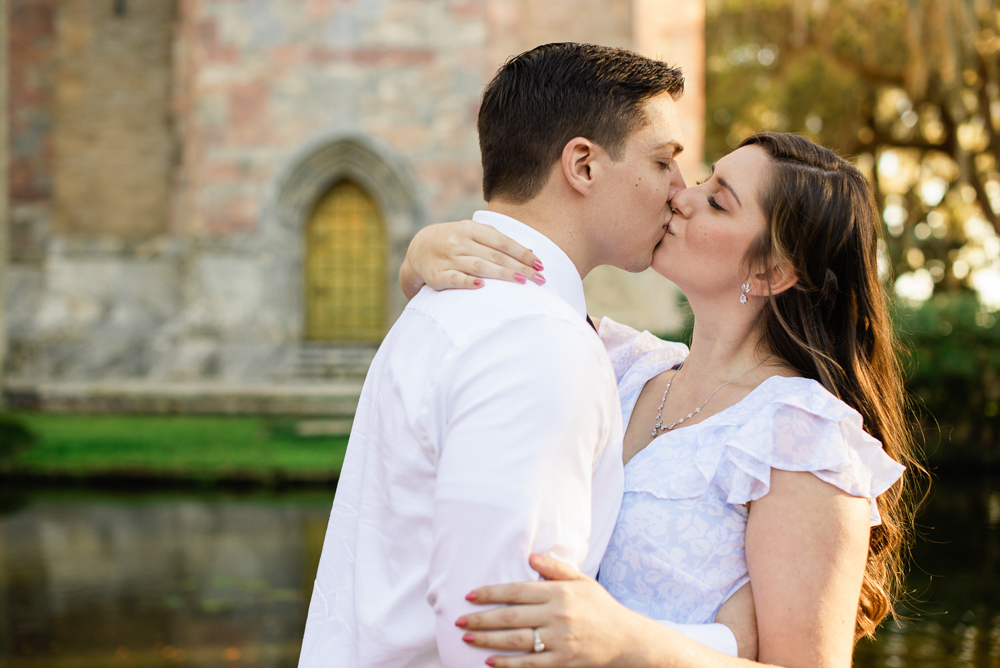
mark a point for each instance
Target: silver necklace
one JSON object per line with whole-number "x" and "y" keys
{"x": 659, "y": 426}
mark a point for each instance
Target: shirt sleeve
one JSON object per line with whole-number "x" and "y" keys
{"x": 525, "y": 415}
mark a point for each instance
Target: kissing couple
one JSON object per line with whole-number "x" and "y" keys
{"x": 524, "y": 487}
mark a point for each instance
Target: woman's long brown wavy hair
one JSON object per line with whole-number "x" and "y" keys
{"x": 834, "y": 326}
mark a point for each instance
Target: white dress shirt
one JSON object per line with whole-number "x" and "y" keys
{"x": 489, "y": 427}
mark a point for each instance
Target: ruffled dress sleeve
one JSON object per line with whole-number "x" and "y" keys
{"x": 627, "y": 347}
{"x": 790, "y": 424}
{"x": 805, "y": 430}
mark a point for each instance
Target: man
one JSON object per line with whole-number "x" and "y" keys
{"x": 489, "y": 426}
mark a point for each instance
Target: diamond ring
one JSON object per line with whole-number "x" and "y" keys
{"x": 539, "y": 645}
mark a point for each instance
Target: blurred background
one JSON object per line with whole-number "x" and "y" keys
{"x": 207, "y": 203}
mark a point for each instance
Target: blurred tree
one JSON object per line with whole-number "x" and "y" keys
{"x": 4, "y": 204}
{"x": 909, "y": 88}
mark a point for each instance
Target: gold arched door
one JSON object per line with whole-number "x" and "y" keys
{"x": 346, "y": 252}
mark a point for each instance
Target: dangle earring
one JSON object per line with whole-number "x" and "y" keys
{"x": 743, "y": 297}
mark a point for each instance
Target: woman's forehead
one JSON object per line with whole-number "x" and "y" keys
{"x": 751, "y": 156}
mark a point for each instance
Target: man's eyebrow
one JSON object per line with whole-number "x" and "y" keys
{"x": 673, "y": 145}
{"x": 725, "y": 184}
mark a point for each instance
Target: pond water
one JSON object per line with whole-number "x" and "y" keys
{"x": 92, "y": 579}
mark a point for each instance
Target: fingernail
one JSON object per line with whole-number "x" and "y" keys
{"x": 520, "y": 278}
{"x": 478, "y": 283}
{"x": 490, "y": 662}
{"x": 471, "y": 596}
{"x": 538, "y": 265}
{"x": 539, "y": 279}
{"x": 468, "y": 637}
{"x": 461, "y": 622}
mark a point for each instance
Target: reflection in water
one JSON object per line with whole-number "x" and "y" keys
{"x": 125, "y": 581}
{"x": 94, "y": 580}
{"x": 954, "y": 619}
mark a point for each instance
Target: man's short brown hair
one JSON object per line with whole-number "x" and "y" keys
{"x": 545, "y": 97}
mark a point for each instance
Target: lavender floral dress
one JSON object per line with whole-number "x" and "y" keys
{"x": 677, "y": 552}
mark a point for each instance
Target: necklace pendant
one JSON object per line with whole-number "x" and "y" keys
{"x": 659, "y": 425}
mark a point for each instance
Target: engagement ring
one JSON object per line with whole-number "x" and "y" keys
{"x": 539, "y": 645}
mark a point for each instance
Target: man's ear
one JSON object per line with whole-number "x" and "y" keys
{"x": 577, "y": 164}
{"x": 780, "y": 276}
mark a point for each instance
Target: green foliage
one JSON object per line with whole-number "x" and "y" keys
{"x": 14, "y": 437}
{"x": 175, "y": 447}
{"x": 954, "y": 378}
{"x": 908, "y": 88}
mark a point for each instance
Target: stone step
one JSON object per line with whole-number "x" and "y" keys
{"x": 334, "y": 399}
{"x": 315, "y": 362}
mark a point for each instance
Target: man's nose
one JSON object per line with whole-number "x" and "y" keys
{"x": 676, "y": 184}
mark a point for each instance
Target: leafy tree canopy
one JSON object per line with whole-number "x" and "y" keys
{"x": 910, "y": 89}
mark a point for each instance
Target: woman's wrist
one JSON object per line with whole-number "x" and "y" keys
{"x": 410, "y": 281}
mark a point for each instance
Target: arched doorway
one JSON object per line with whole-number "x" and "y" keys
{"x": 345, "y": 268}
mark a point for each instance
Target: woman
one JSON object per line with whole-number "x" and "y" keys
{"x": 754, "y": 457}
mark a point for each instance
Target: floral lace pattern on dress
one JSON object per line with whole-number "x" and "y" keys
{"x": 677, "y": 552}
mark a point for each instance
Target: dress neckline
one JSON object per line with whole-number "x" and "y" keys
{"x": 710, "y": 419}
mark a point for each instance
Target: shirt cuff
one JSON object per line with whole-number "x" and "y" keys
{"x": 715, "y": 636}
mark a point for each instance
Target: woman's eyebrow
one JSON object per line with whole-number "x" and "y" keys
{"x": 725, "y": 184}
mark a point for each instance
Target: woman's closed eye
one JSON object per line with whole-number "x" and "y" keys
{"x": 712, "y": 201}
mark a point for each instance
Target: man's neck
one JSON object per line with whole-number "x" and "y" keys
{"x": 555, "y": 224}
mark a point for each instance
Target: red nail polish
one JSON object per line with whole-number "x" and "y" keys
{"x": 461, "y": 622}
{"x": 468, "y": 637}
{"x": 471, "y": 596}
{"x": 538, "y": 265}
{"x": 478, "y": 283}
{"x": 520, "y": 278}
{"x": 539, "y": 279}
{"x": 490, "y": 662}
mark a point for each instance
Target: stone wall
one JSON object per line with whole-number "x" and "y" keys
{"x": 261, "y": 78}
{"x": 114, "y": 147}
{"x": 31, "y": 49}
{"x": 181, "y": 199}
{"x": 90, "y": 287}
{"x": 519, "y": 25}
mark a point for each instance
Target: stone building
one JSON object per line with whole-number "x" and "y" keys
{"x": 209, "y": 199}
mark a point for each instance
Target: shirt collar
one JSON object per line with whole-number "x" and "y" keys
{"x": 561, "y": 275}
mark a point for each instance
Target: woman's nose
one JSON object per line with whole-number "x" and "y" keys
{"x": 680, "y": 201}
